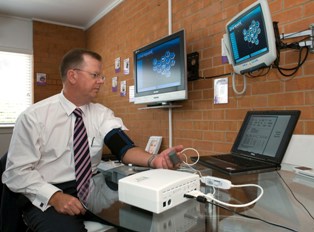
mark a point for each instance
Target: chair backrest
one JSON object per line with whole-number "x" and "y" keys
{"x": 2, "y": 168}
{"x": 10, "y": 213}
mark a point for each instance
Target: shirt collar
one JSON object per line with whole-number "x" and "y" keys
{"x": 68, "y": 106}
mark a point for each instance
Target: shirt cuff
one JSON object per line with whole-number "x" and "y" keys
{"x": 44, "y": 194}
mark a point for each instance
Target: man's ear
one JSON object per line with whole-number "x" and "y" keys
{"x": 72, "y": 76}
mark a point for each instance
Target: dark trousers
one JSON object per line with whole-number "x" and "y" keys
{"x": 52, "y": 221}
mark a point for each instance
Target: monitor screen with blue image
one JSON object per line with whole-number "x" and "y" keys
{"x": 250, "y": 38}
{"x": 160, "y": 71}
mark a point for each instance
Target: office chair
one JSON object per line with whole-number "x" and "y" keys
{"x": 10, "y": 214}
{"x": 11, "y": 219}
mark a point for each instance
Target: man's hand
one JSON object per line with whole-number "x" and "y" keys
{"x": 66, "y": 204}
{"x": 163, "y": 161}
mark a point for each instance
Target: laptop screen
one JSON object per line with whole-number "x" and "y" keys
{"x": 266, "y": 134}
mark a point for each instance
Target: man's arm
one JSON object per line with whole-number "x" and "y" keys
{"x": 123, "y": 147}
{"x": 138, "y": 156}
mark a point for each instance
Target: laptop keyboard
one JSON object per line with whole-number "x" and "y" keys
{"x": 238, "y": 160}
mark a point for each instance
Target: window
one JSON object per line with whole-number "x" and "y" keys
{"x": 16, "y": 92}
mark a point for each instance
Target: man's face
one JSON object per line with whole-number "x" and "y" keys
{"x": 89, "y": 79}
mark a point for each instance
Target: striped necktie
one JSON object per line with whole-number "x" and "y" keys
{"x": 83, "y": 170}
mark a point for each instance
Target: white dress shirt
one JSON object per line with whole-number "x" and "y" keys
{"x": 41, "y": 149}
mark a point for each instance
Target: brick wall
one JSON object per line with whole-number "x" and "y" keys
{"x": 50, "y": 43}
{"x": 199, "y": 123}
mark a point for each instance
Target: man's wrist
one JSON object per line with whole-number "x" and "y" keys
{"x": 150, "y": 160}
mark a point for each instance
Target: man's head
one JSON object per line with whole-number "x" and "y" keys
{"x": 80, "y": 71}
{"x": 75, "y": 59}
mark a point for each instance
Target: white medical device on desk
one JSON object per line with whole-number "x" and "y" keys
{"x": 157, "y": 190}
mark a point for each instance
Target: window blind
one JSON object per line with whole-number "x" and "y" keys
{"x": 15, "y": 85}
{"x": 16, "y": 64}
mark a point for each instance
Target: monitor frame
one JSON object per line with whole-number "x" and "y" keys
{"x": 165, "y": 95}
{"x": 251, "y": 61}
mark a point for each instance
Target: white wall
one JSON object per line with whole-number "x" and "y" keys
{"x": 300, "y": 151}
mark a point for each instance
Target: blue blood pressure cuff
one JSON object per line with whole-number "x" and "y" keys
{"x": 118, "y": 142}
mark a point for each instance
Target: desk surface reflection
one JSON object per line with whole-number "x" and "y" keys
{"x": 277, "y": 206}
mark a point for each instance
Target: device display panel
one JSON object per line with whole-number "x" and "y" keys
{"x": 159, "y": 67}
{"x": 248, "y": 36}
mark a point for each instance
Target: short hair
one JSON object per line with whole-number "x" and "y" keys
{"x": 74, "y": 58}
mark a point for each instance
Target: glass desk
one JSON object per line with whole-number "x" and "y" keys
{"x": 277, "y": 205}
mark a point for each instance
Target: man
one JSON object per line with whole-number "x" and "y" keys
{"x": 41, "y": 158}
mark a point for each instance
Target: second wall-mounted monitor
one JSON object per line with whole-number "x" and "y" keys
{"x": 160, "y": 71}
{"x": 250, "y": 40}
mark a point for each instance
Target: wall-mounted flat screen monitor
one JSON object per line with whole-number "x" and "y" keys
{"x": 160, "y": 71}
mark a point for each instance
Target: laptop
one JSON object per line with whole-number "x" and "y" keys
{"x": 260, "y": 144}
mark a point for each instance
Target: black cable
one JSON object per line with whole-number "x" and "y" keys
{"x": 309, "y": 213}
{"x": 203, "y": 199}
{"x": 221, "y": 75}
{"x": 296, "y": 68}
{"x": 280, "y": 45}
{"x": 261, "y": 72}
{"x": 252, "y": 217}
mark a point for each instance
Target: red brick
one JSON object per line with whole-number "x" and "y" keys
{"x": 198, "y": 123}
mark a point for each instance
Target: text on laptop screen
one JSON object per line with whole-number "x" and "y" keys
{"x": 263, "y": 134}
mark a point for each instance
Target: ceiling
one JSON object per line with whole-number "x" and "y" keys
{"x": 74, "y": 13}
